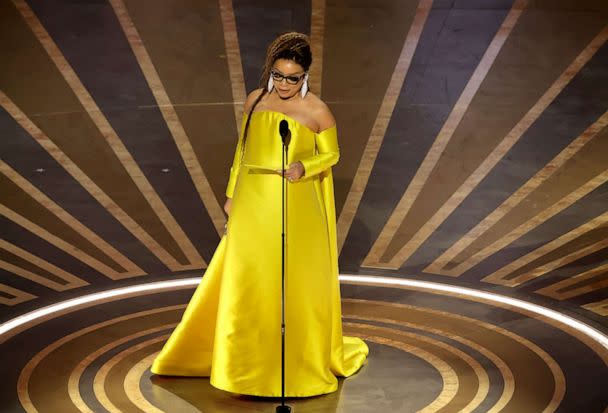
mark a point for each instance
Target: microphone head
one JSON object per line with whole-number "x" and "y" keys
{"x": 285, "y": 132}
{"x": 283, "y": 128}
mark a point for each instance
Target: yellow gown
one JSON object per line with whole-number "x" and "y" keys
{"x": 231, "y": 328}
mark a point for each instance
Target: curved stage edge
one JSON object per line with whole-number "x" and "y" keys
{"x": 433, "y": 347}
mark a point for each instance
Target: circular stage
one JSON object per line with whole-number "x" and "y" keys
{"x": 433, "y": 347}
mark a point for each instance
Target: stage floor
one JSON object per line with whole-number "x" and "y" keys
{"x": 430, "y": 350}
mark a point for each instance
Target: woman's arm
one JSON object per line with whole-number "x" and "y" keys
{"x": 328, "y": 151}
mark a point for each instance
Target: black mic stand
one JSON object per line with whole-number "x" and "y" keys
{"x": 285, "y": 137}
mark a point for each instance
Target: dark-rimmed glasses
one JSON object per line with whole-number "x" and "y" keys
{"x": 292, "y": 80}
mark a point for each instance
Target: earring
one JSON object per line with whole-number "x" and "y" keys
{"x": 270, "y": 84}
{"x": 304, "y": 88}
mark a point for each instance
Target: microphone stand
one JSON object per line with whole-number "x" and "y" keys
{"x": 285, "y": 137}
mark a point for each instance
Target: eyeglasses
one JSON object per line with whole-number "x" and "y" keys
{"x": 292, "y": 80}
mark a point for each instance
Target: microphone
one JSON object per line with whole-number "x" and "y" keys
{"x": 286, "y": 137}
{"x": 285, "y": 132}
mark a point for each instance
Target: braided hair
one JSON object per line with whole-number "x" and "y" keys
{"x": 291, "y": 45}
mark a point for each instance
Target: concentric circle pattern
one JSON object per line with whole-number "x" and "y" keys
{"x": 429, "y": 352}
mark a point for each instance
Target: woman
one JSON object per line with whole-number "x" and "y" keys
{"x": 231, "y": 329}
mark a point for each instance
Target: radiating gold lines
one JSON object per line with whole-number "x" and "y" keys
{"x": 493, "y": 158}
{"x": 432, "y": 158}
{"x": 74, "y": 380}
{"x": 99, "y": 387}
{"x": 480, "y": 373}
{"x": 71, "y": 280}
{"x": 568, "y": 258}
{"x": 553, "y": 290}
{"x": 55, "y": 241}
{"x": 317, "y": 34}
{"x": 114, "y": 142}
{"x": 370, "y": 153}
{"x": 88, "y": 184}
{"x": 235, "y": 65}
{"x": 28, "y": 370}
{"x": 82, "y": 230}
{"x": 182, "y": 141}
{"x": 505, "y": 371}
{"x": 509, "y": 204}
{"x": 500, "y": 276}
{"x": 598, "y": 307}
{"x": 18, "y": 296}
{"x": 564, "y": 203}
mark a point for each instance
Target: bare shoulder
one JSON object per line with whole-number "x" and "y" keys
{"x": 251, "y": 98}
{"x": 322, "y": 113}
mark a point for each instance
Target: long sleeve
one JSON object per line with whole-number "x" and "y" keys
{"x": 236, "y": 162}
{"x": 328, "y": 152}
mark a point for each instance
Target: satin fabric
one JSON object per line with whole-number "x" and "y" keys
{"x": 231, "y": 328}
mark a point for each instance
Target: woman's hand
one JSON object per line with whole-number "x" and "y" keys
{"x": 227, "y": 206}
{"x": 294, "y": 171}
